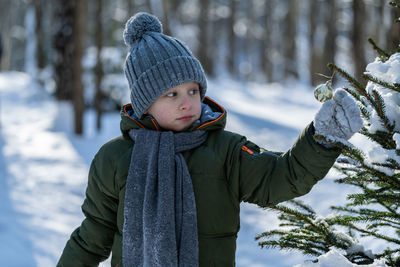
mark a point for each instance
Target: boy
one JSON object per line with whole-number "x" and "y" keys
{"x": 167, "y": 192}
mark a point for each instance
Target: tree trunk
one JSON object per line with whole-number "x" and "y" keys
{"x": 78, "y": 38}
{"x": 130, "y": 8}
{"x": 203, "y": 50}
{"x": 330, "y": 37}
{"x": 1, "y": 49}
{"x": 315, "y": 48}
{"x": 99, "y": 66}
{"x": 230, "y": 59}
{"x": 175, "y": 5}
{"x": 266, "y": 45}
{"x": 358, "y": 38}
{"x": 175, "y": 15}
{"x": 248, "y": 46}
{"x": 393, "y": 36}
{"x": 289, "y": 41}
{"x": 7, "y": 14}
{"x": 63, "y": 48}
{"x": 40, "y": 35}
{"x": 68, "y": 44}
{"x": 165, "y": 20}
{"x": 378, "y": 30}
{"x": 149, "y": 6}
{"x": 30, "y": 55}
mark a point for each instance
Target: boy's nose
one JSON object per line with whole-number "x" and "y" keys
{"x": 186, "y": 103}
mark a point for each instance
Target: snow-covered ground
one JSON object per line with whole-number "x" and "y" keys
{"x": 43, "y": 166}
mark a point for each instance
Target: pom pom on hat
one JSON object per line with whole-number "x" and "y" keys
{"x": 139, "y": 25}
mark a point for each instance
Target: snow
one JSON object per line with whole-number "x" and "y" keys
{"x": 44, "y": 166}
{"x": 389, "y": 72}
{"x": 334, "y": 259}
{"x": 396, "y": 138}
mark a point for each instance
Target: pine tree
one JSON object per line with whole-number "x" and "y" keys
{"x": 375, "y": 210}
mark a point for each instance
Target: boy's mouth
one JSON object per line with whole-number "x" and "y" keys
{"x": 185, "y": 118}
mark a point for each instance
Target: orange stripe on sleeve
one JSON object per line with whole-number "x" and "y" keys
{"x": 245, "y": 148}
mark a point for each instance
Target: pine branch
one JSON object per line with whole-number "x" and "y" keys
{"x": 389, "y": 201}
{"x": 366, "y": 212}
{"x": 358, "y": 155}
{"x": 385, "y": 139}
{"x": 380, "y": 104}
{"x": 347, "y": 150}
{"x": 291, "y": 245}
{"x": 293, "y": 235}
{"x": 353, "y": 93}
{"x": 377, "y": 235}
{"x": 387, "y": 252}
{"x": 293, "y": 212}
{"x": 380, "y": 108}
{"x": 382, "y": 53}
{"x": 395, "y": 4}
{"x": 370, "y": 196}
{"x": 393, "y": 164}
{"x": 271, "y": 234}
{"x": 389, "y": 207}
{"x": 382, "y": 176}
{"x": 378, "y": 225}
{"x": 378, "y": 219}
{"x": 360, "y": 88}
{"x": 303, "y": 206}
{"x": 356, "y": 179}
{"x": 394, "y": 87}
{"x": 360, "y": 199}
{"x": 373, "y": 233}
{"x": 368, "y": 176}
{"x": 364, "y": 111}
{"x": 305, "y": 232}
{"x": 360, "y": 258}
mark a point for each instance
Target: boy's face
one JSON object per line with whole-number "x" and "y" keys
{"x": 177, "y": 108}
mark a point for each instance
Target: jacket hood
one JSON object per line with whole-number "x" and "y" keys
{"x": 130, "y": 121}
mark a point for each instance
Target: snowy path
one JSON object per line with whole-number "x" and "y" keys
{"x": 43, "y": 173}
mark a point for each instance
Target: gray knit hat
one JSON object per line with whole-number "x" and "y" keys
{"x": 156, "y": 62}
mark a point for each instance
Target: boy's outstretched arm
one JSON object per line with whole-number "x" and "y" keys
{"x": 91, "y": 242}
{"x": 266, "y": 178}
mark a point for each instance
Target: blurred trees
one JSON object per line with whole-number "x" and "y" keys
{"x": 98, "y": 70}
{"x": 356, "y": 37}
{"x": 63, "y": 44}
{"x": 69, "y": 34}
{"x": 259, "y": 40}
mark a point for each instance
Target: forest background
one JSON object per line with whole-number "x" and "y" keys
{"x": 75, "y": 48}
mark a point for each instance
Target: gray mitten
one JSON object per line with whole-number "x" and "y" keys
{"x": 339, "y": 117}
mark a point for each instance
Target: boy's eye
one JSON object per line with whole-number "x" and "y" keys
{"x": 193, "y": 91}
{"x": 171, "y": 94}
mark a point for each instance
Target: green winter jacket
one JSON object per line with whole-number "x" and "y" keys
{"x": 225, "y": 170}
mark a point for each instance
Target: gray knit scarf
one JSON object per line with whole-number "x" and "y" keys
{"x": 160, "y": 223}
